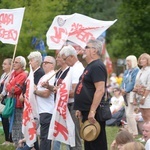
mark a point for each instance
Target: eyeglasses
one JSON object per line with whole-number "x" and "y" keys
{"x": 46, "y": 62}
{"x": 88, "y": 47}
{"x": 16, "y": 62}
{"x": 115, "y": 90}
{"x": 66, "y": 58}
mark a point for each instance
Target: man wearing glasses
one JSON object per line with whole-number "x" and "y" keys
{"x": 45, "y": 100}
{"x": 69, "y": 55}
{"x": 90, "y": 91}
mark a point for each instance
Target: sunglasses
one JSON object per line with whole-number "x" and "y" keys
{"x": 88, "y": 47}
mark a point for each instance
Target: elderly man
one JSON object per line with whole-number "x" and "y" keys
{"x": 90, "y": 91}
{"x": 69, "y": 55}
{"x": 45, "y": 100}
{"x": 146, "y": 134}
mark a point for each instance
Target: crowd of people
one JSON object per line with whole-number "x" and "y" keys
{"x": 135, "y": 89}
{"x": 129, "y": 91}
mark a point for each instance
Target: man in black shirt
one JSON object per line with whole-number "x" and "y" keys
{"x": 90, "y": 91}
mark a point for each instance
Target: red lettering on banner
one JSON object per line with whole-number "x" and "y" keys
{"x": 32, "y": 131}
{"x": 59, "y": 128}
{"x": 8, "y": 34}
{"x": 27, "y": 105}
{"x": 62, "y": 102}
{"x": 6, "y": 19}
{"x": 27, "y": 111}
{"x": 81, "y": 33}
{"x": 58, "y": 34}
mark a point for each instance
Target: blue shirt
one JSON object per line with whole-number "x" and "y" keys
{"x": 129, "y": 77}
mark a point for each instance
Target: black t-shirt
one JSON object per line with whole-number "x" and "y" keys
{"x": 84, "y": 93}
{"x": 37, "y": 75}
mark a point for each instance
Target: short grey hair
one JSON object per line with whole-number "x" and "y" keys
{"x": 22, "y": 61}
{"x": 97, "y": 44}
{"x": 53, "y": 60}
{"x": 68, "y": 50}
{"x": 36, "y": 56}
{"x": 133, "y": 60}
{"x": 9, "y": 60}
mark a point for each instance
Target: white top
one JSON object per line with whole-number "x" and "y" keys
{"x": 147, "y": 145}
{"x": 143, "y": 78}
{"x": 117, "y": 103}
{"x": 4, "y": 76}
{"x": 76, "y": 71}
{"x": 46, "y": 105}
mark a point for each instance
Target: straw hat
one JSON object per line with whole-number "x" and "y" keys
{"x": 88, "y": 131}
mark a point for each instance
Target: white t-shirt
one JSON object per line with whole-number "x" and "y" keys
{"x": 46, "y": 105}
{"x": 117, "y": 103}
{"x": 76, "y": 72}
{"x": 147, "y": 145}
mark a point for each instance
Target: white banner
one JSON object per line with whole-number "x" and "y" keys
{"x": 76, "y": 28}
{"x": 30, "y": 112}
{"x": 10, "y": 25}
{"x": 62, "y": 127}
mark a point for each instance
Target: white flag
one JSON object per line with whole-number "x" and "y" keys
{"x": 76, "y": 28}
{"x": 10, "y": 25}
{"x": 62, "y": 127}
{"x": 30, "y": 112}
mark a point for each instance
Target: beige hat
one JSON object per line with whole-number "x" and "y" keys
{"x": 89, "y": 131}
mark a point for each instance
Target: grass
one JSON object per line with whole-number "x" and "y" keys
{"x": 111, "y": 133}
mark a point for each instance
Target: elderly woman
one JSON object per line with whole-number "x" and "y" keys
{"x": 14, "y": 88}
{"x": 127, "y": 86}
{"x": 142, "y": 86}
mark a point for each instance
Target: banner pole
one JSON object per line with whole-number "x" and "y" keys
{"x": 13, "y": 57}
{"x": 54, "y": 74}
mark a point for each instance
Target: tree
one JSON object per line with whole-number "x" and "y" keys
{"x": 39, "y": 15}
{"x": 37, "y": 19}
{"x": 132, "y": 34}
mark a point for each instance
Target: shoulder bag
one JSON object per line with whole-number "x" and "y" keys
{"x": 104, "y": 108}
{"x": 9, "y": 107}
{"x": 2, "y": 106}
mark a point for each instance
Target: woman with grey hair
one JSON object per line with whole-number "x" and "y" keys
{"x": 36, "y": 56}
{"x": 127, "y": 86}
{"x": 14, "y": 88}
{"x": 22, "y": 62}
{"x": 35, "y": 60}
{"x": 142, "y": 86}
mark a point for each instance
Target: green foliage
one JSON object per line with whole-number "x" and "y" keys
{"x": 129, "y": 35}
{"x": 132, "y": 29}
{"x": 38, "y": 17}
